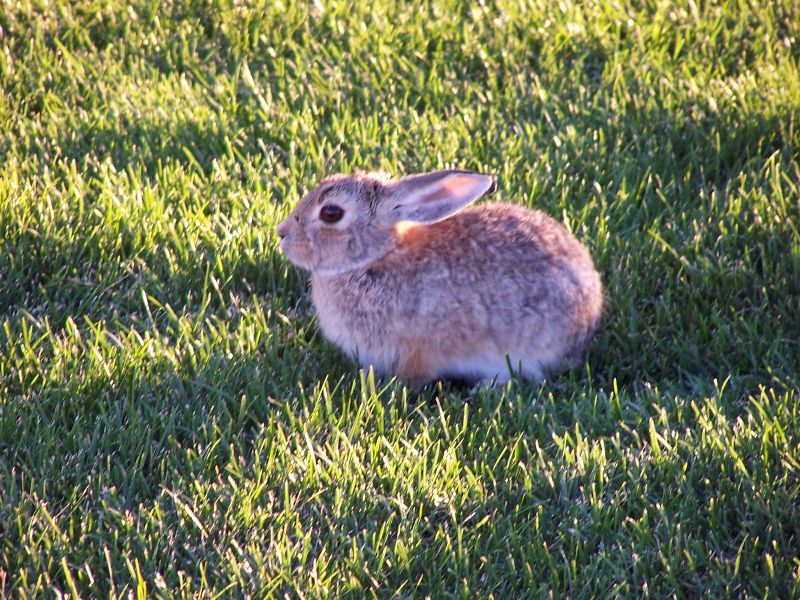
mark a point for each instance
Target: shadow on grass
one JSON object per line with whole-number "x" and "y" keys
{"x": 79, "y": 272}
{"x": 700, "y": 262}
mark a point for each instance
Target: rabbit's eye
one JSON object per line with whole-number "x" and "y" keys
{"x": 330, "y": 213}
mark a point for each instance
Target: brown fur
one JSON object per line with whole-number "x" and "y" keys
{"x": 458, "y": 296}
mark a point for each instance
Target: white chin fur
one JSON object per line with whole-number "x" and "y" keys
{"x": 292, "y": 259}
{"x": 341, "y": 270}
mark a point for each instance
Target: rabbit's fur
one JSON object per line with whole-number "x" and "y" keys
{"x": 410, "y": 282}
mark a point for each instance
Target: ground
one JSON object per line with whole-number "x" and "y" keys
{"x": 173, "y": 423}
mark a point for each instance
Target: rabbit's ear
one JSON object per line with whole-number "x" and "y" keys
{"x": 431, "y": 197}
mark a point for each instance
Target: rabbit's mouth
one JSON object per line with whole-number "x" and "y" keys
{"x": 290, "y": 252}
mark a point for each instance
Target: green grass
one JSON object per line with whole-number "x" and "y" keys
{"x": 171, "y": 420}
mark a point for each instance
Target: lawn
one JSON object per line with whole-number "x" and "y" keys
{"x": 172, "y": 422}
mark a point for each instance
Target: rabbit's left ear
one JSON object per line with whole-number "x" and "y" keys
{"x": 431, "y": 197}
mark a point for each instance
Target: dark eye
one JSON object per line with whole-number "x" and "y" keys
{"x": 330, "y": 213}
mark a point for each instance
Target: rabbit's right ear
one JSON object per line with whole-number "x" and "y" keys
{"x": 431, "y": 197}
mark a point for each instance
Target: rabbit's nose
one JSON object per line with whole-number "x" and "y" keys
{"x": 283, "y": 228}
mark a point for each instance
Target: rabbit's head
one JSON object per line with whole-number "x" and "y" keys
{"x": 349, "y": 221}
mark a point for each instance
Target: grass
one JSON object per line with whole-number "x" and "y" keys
{"x": 173, "y": 423}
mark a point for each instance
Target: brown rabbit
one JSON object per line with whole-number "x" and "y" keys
{"x": 408, "y": 280}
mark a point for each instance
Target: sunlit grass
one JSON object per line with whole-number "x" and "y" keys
{"x": 171, "y": 420}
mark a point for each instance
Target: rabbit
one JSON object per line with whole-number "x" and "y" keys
{"x": 410, "y": 280}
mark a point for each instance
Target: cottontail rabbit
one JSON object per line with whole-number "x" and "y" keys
{"x": 409, "y": 281}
